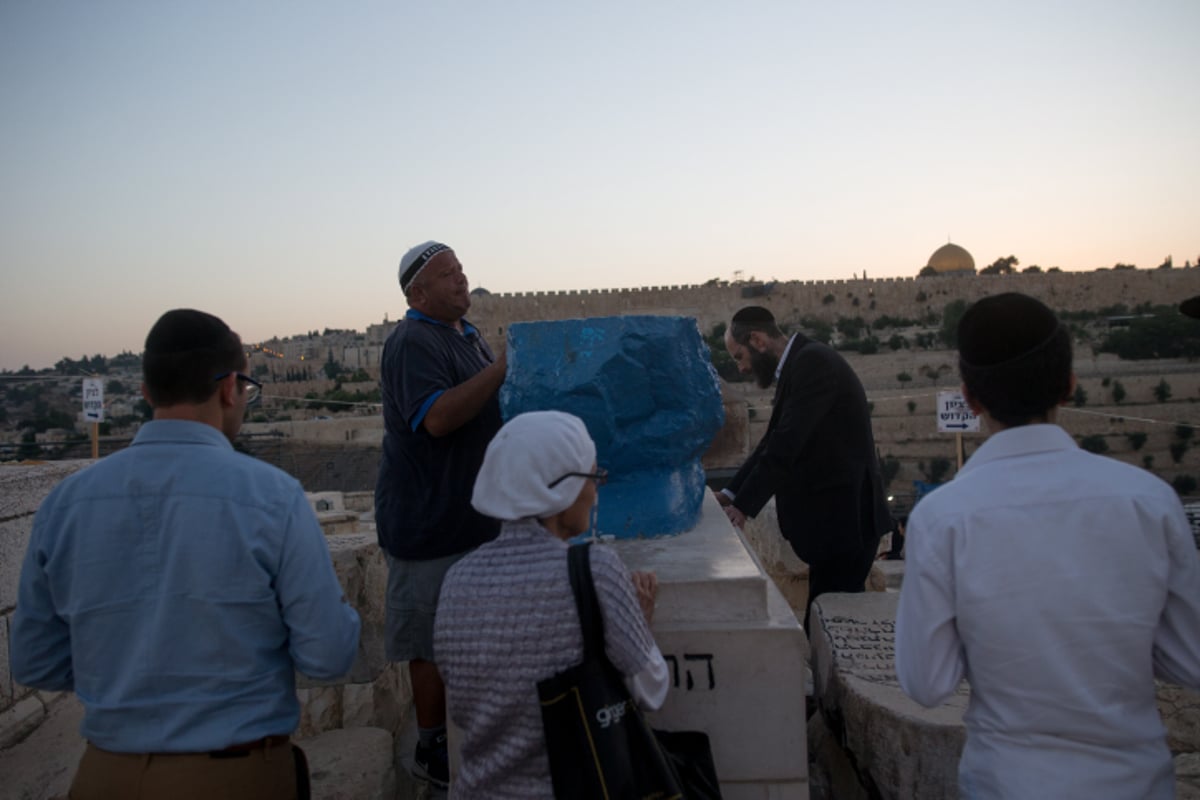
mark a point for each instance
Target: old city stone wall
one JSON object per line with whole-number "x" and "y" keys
{"x": 869, "y": 298}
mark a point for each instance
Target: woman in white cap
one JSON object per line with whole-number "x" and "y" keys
{"x": 506, "y": 617}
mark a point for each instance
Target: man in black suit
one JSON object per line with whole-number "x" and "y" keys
{"x": 817, "y": 457}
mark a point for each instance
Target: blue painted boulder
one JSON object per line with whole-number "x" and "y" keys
{"x": 648, "y": 393}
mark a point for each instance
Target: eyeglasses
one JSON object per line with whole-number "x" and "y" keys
{"x": 253, "y": 387}
{"x": 600, "y": 476}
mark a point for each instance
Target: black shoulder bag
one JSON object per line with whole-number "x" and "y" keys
{"x": 598, "y": 741}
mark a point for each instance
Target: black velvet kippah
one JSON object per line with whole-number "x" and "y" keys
{"x": 1003, "y": 328}
{"x": 754, "y": 315}
{"x": 183, "y": 330}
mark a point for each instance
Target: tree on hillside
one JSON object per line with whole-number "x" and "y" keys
{"x": 1162, "y": 392}
{"x": 332, "y": 368}
{"x": 125, "y": 359}
{"x": 889, "y": 467}
{"x": 1163, "y": 335}
{"x": 96, "y": 365}
{"x": 936, "y": 470}
{"x": 1032, "y": 269}
{"x": 1118, "y": 392}
{"x": 818, "y": 329}
{"x": 927, "y": 272}
{"x": 723, "y": 362}
{"x": 933, "y": 373}
{"x": 1001, "y": 266}
{"x": 951, "y": 315}
{"x": 850, "y": 327}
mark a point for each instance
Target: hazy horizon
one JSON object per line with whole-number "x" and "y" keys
{"x": 320, "y": 329}
{"x": 271, "y": 163}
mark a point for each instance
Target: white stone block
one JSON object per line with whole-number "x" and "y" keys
{"x": 391, "y": 698}
{"x": 892, "y": 571}
{"x": 358, "y": 704}
{"x": 744, "y": 686}
{"x": 320, "y": 709}
{"x": 735, "y": 653}
{"x": 764, "y": 791}
{"x": 338, "y": 523}
{"x": 360, "y": 568}
{"x": 361, "y": 502}
{"x": 905, "y": 749}
{"x": 706, "y": 574}
{"x": 20, "y": 719}
{"x": 351, "y": 764}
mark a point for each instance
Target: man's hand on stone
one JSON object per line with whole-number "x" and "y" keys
{"x": 735, "y": 516}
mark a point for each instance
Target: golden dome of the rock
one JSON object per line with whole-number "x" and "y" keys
{"x": 950, "y": 258}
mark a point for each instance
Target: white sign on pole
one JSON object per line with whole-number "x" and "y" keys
{"x": 93, "y": 400}
{"x": 953, "y": 415}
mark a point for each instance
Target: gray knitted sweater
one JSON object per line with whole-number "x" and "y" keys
{"x": 506, "y": 620}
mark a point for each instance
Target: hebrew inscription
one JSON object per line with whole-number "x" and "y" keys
{"x": 866, "y": 649}
{"x": 708, "y": 681}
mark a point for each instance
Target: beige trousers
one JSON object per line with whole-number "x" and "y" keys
{"x": 277, "y": 772}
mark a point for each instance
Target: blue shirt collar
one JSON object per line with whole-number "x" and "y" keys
{"x": 468, "y": 328}
{"x": 173, "y": 431}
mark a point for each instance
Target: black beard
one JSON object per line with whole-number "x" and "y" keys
{"x": 763, "y": 365}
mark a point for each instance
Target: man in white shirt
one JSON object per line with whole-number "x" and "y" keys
{"x": 1057, "y": 582}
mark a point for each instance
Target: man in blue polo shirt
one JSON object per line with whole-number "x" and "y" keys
{"x": 439, "y": 382}
{"x": 176, "y": 586}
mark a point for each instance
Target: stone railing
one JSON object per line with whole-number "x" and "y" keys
{"x": 869, "y": 740}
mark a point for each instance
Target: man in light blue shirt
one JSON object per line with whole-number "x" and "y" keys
{"x": 177, "y": 585}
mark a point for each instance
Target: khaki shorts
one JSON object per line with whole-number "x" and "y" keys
{"x": 412, "y": 597}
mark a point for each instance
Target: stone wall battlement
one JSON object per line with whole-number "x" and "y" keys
{"x": 792, "y": 301}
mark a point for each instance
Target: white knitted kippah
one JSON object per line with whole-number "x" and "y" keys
{"x": 415, "y": 260}
{"x": 529, "y": 453}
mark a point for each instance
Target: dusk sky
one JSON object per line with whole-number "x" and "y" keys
{"x": 269, "y": 162}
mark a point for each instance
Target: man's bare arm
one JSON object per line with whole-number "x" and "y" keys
{"x": 459, "y": 405}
